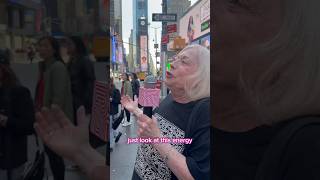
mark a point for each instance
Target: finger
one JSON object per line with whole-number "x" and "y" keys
{"x": 42, "y": 123}
{"x": 143, "y": 118}
{"x": 40, "y": 132}
{"x": 53, "y": 121}
{"x": 154, "y": 120}
{"x": 48, "y": 117}
{"x": 140, "y": 124}
{"x": 140, "y": 132}
{"x": 60, "y": 116}
{"x": 45, "y": 114}
{"x": 81, "y": 117}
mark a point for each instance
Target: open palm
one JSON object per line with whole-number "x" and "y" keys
{"x": 59, "y": 134}
{"x": 130, "y": 105}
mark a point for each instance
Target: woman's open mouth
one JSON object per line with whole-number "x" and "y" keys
{"x": 168, "y": 74}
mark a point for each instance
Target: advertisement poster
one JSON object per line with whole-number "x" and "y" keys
{"x": 120, "y": 55}
{"x": 196, "y": 22}
{"x": 143, "y": 53}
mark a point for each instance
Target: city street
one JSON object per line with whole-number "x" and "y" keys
{"x": 123, "y": 155}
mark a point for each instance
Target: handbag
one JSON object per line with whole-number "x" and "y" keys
{"x": 116, "y": 122}
{"x": 36, "y": 169}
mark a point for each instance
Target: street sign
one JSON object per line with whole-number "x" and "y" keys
{"x": 165, "y": 39}
{"x": 164, "y": 47}
{"x": 157, "y": 54}
{"x": 164, "y": 17}
{"x": 205, "y": 25}
{"x": 156, "y": 46}
{"x": 171, "y": 28}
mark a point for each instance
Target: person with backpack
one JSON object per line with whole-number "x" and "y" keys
{"x": 266, "y": 90}
{"x": 16, "y": 122}
{"x": 115, "y": 98}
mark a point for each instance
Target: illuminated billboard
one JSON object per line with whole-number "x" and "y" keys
{"x": 144, "y": 53}
{"x": 196, "y": 22}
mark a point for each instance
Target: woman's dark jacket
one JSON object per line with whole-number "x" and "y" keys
{"x": 82, "y": 82}
{"x": 15, "y": 103}
{"x": 114, "y": 104}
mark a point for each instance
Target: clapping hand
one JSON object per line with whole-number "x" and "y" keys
{"x": 59, "y": 134}
{"x": 130, "y": 105}
{"x": 148, "y": 127}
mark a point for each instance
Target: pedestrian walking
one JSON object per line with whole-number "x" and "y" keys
{"x": 183, "y": 114}
{"x": 115, "y": 98}
{"x": 126, "y": 91}
{"x": 31, "y": 53}
{"x": 82, "y": 75}
{"x": 16, "y": 121}
{"x": 135, "y": 86}
{"x": 54, "y": 89}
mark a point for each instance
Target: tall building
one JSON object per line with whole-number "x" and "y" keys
{"x": 116, "y": 16}
{"x": 82, "y": 18}
{"x": 140, "y": 31}
{"x": 19, "y": 25}
{"x": 118, "y": 57}
{"x": 131, "y": 62}
{"x": 178, "y": 7}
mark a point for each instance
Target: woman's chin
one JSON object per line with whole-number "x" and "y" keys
{"x": 167, "y": 82}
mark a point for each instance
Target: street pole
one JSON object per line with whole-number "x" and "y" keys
{"x": 164, "y": 49}
{"x": 156, "y": 42}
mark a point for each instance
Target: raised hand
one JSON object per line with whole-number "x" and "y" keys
{"x": 59, "y": 134}
{"x": 130, "y": 105}
{"x": 148, "y": 127}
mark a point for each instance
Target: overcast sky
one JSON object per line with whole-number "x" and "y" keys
{"x": 154, "y": 6}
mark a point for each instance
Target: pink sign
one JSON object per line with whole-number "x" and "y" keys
{"x": 149, "y": 97}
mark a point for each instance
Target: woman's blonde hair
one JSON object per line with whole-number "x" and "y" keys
{"x": 197, "y": 86}
{"x": 290, "y": 86}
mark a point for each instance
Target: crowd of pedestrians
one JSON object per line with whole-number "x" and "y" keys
{"x": 67, "y": 85}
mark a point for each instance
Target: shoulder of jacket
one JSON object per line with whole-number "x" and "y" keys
{"x": 58, "y": 65}
{"x": 20, "y": 90}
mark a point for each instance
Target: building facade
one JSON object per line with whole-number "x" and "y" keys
{"x": 140, "y": 34}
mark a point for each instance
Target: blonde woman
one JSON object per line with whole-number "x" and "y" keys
{"x": 183, "y": 114}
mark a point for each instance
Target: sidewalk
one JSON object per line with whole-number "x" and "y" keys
{"x": 123, "y": 155}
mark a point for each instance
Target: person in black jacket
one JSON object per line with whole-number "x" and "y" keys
{"x": 16, "y": 121}
{"x": 82, "y": 74}
{"x": 115, "y": 98}
{"x": 135, "y": 85}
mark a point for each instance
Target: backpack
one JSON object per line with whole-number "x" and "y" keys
{"x": 271, "y": 166}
